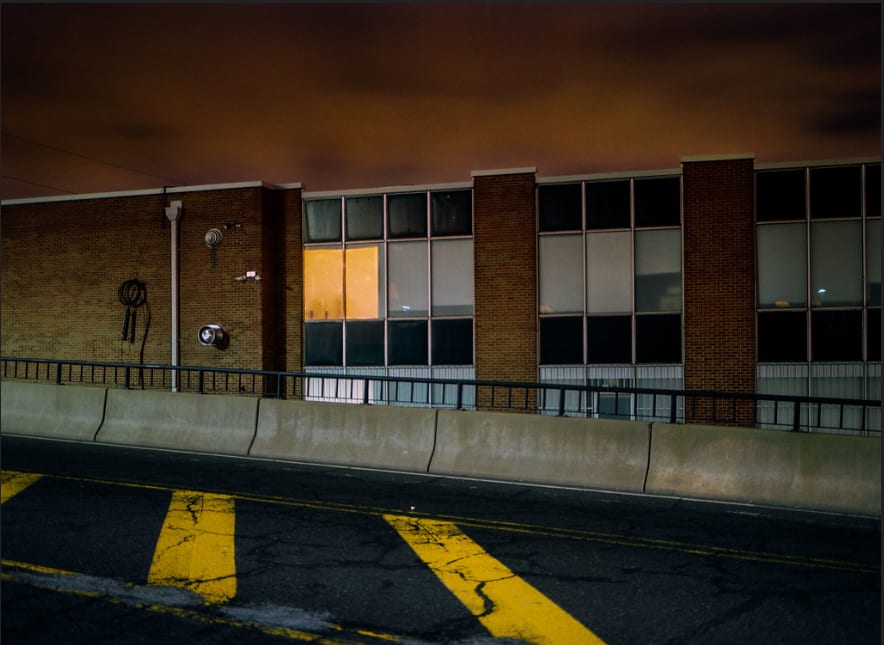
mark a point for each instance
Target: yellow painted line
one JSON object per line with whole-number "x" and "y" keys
{"x": 505, "y": 604}
{"x": 13, "y": 482}
{"x": 195, "y": 548}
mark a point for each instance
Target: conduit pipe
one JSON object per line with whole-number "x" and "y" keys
{"x": 173, "y": 213}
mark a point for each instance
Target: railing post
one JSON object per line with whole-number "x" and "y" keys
{"x": 460, "y": 396}
{"x": 365, "y": 392}
{"x": 58, "y": 373}
{"x": 796, "y": 417}
{"x": 126, "y": 377}
{"x": 673, "y": 407}
{"x": 199, "y": 381}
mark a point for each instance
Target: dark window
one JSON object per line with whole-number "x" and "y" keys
{"x": 873, "y": 335}
{"x": 323, "y": 220}
{"x": 323, "y": 344}
{"x": 873, "y": 190}
{"x": 365, "y": 218}
{"x": 560, "y": 207}
{"x": 836, "y": 192}
{"x": 657, "y": 202}
{"x": 365, "y": 343}
{"x": 782, "y": 337}
{"x": 607, "y": 204}
{"x": 779, "y": 195}
{"x": 452, "y": 212}
{"x": 658, "y": 339}
{"x": 609, "y": 339}
{"x": 407, "y": 342}
{"x": 452, "y": 342}
{"x": 407, "y": 215}
{"x": 561, "y": 341}
{"x": 836, "y": 335}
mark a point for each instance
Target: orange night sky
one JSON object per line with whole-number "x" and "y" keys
{"x": 113, "y": 97}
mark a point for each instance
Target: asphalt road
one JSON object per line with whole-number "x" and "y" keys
{"x": 118, "y": 545}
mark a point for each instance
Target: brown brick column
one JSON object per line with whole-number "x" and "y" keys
{"x": 505, "y": 275}
{"x": 719, "y": 278}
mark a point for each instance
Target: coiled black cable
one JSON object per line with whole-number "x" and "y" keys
{"x": 132, "y": 294}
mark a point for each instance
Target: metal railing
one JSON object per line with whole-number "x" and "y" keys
{"x": 796, "y": 413}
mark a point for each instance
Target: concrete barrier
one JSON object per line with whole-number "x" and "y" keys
{"x": 590, "y": 453}
{"x": 181, "y": 421}
{"x": 394, "y": 438}
{"x": 805, "y": 470}
{"x": 44, "y": 410}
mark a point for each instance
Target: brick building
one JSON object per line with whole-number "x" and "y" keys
{"x": 722, "y": 274}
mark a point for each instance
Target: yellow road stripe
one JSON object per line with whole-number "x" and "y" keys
{"x": 13, "y": 482}
{"x": 505, "y": 604}
{"x": 195, "y": 548}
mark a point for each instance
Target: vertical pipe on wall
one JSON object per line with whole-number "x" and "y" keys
{"x": 173, "y": 213}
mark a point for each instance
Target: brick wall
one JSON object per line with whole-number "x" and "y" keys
{"x": 63, "y": 263}
{"x": 505, "y": 275}
{"x": 719, "y": 275}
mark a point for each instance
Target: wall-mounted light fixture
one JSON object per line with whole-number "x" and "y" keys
{"x": 248, "y": 276}
{"x": 230, "y": 225}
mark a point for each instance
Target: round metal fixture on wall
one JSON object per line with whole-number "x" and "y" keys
{"x": 212, "y": 336}
{"x": 213, "y": 238}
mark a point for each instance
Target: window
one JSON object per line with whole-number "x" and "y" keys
{"x": 386, "y": 294}
{"x": 607, "y": 204}
{"x": 561, "y": 274}
{"x": 407, "y": 215}
{"x": 609, "y": 339}
{"x": 782, "y": 265}
{"x": 780, "y": 195}
{"x": 836, "y": 264}
{"x": 560, "y": 207}
{"x": 561, "y": 340}
{"x": 836, "y": 192}
{"x": 782, "y": 337}
{"x": 609, "y": 272}
{"x": 873, "y": 262}
{"x": 658, "y": 270}
{"x": 365, "y": 218}
{"x": 873, "y": 190}
{"x": 657, "y": 202}
{"x": 452, "y": 212}
{"x": 836, "y": 335}
{"x": 658, "y": 338}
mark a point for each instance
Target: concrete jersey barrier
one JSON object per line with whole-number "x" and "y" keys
{"x": 181, "y": 421}
{"x": 392, "y": 438}
{"x": 590, "y": 453}
{"x": 53, "y": 411}
{"x": 805, "y": 470}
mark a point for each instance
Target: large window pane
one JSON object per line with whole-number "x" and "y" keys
{"x": 561, "y": 274}
{"x": 836, "y": 335}
{"x": 873, "y": 262}
{"x": 560, "y": 207}
{"x": 780, "y": 195}
{"x": 836, "y": 192}
{"x": 782, "y": 265}
{"x": 452, "y": 342}
{"x": 657, "y": 202}
{"x": 836, "y": 264}
{"x": 609, "y": 272}
{"x": 658, "y": 270}
{"x": 365, "y": 343}
{"x": 561, "y": 341}
{"x": 452, "y": 212}
{"x": 658, "y": 339}
{"x": 322, "y": 220}
{"x": 782, "y": 336}
{"x": 607, "y": 204}
{"x": 365, "y": 281}
{"x": 323, "y": 344}
{"x": 407, "y": 342}
{"x": 407, "y": 286}
{"x": 407, "y": 215}
{"x": 873, "y": 336}
{"x": 365, "y": 218}
{"x": 323, "y": 284}
{"x": 609, "y": 339}
{"x": 452, "y": 262}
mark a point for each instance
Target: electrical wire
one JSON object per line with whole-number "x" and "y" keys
{"x": 132, "y": 294}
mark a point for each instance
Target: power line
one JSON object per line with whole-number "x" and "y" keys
{"x": 87, "y": 157}
{"x": 34, "y": 183}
